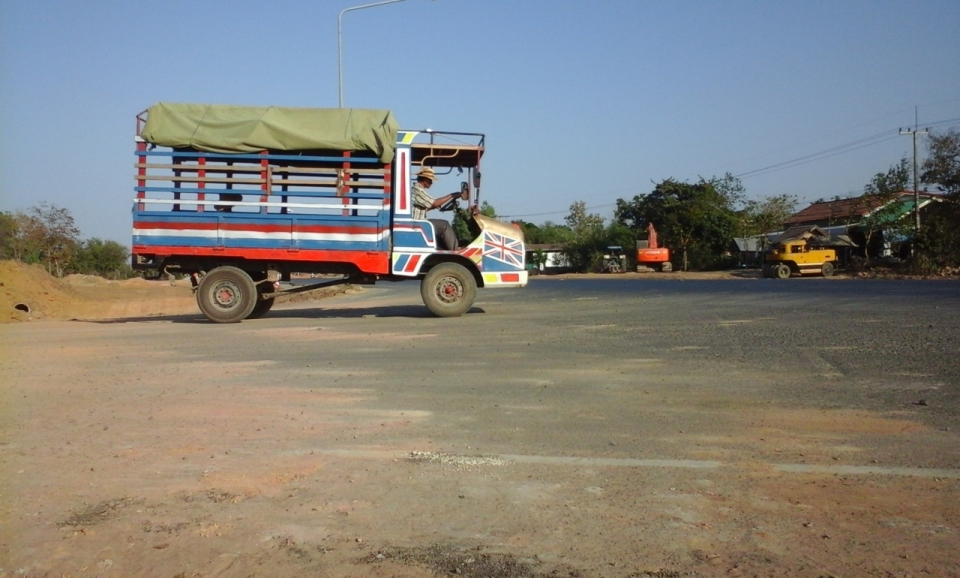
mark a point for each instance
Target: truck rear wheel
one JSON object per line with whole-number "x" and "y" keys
{"x": 782, "y": 271}
{"x": 448, "y": 290}
{"x": 226, "y": 295}
{"x": 827, "y": 269}
{"x": 262, "y": 306}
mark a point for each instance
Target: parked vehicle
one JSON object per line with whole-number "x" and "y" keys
{"x": 240, "y": 197}
{"x": 650, "y": 256}
{"x": 798, "y": 257}
{"x": 614, "y": 261}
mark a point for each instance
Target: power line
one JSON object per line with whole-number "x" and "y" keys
{"x": 557, "y": 212}
{"x": 864, "y": 142}
{"x": 839, "y": 149}
{"x": 832, "y": 151}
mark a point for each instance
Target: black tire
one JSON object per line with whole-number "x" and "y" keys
{"x": 263, "y": 305}
{"x": 827, "y": 269}
{"x": 448, "y": 290}
{"x": 261, "y": 308}
{"x": 782, "y": 271}
{"x": 226, "y": 295}
{"x": 766, "y": 272}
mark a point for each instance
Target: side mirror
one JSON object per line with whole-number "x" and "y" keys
{"x": 476, "y": 179}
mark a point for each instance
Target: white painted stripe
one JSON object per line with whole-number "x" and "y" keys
{"x": 205, "y": 203}
{"x": 277, "y": 236}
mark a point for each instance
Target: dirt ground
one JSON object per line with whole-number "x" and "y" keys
{"x": 129, "y": 481}
{"x": 29, "y": 293}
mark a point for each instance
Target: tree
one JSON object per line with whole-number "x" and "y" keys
{"x": 45, "y": 234}
{"x": 768, "y": 215}
{"x": 882, "y": 206}
{"x": 584, "y": 249}
{"x": 461, "y": 224}
{"x": 581, "y": 223}
{"x": 942, "y": 165}
{"x": 694, "y": 219}
{"x": 104, "y": 258}
{"x": 939, "y": 239}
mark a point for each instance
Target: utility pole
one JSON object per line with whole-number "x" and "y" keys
{"x": 916, "y": 185}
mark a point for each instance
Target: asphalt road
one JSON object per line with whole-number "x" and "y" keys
{"x": 615, "y": 426}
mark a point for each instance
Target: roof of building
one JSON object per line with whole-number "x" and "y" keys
{"x": 849, "y": 210}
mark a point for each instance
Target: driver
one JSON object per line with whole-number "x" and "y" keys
{"x": 423, "y": 202}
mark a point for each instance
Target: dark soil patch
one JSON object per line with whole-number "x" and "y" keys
{"x": 469, "y": 562}
{"x": 98, "y": 513}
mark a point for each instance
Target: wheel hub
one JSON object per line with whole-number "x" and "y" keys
{"x": 449, "y": 290}
{"x": 226, "y": 294}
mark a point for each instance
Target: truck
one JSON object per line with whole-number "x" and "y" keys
{"x": 798, "y": 257}
{"x": 242, "y": 198}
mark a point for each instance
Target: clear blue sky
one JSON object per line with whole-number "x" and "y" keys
{"x": 585, "y": 100}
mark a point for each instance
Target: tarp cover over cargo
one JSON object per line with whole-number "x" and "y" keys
{"x": 244, "y": 129}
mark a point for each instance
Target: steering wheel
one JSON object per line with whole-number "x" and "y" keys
{"x": 452, "y": 204}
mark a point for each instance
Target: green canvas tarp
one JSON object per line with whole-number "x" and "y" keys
{"x": 244, "y": 129}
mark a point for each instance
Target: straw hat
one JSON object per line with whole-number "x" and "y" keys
{"x": 427, "y": 173}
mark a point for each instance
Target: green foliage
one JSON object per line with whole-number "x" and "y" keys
{"x": 548, "y": 233}
{"x": 105, "y": 258}
{"x": 487, "y": 210}
{"x": 891, "y": 183}
{"x": 47, "y": 234}
{"x": 461, "y": 221}
{"x": 587, "y": 243}
{"x": 767, "y": 215}
{"x": 695, "y": 221}
{"x": 939, "y": 240}
{"x": 943, "y": 162}
{"x": 881, "y": 203}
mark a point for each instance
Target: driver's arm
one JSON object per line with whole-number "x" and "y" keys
{"x": 444, "y": 199}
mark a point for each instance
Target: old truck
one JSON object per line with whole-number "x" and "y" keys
{"x": 798, "y": 257}
{"x": 240, "y": 198}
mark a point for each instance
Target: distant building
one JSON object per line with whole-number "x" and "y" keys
{"x": 845, "y": 217}
{"x": 554, "y": 259}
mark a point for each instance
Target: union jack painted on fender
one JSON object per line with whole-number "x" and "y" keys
{"x": 503, "y": 249}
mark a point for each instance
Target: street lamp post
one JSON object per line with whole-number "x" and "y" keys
{"x": 340, "y": 41}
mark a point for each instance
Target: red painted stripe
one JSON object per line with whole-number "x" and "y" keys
{"x": 366, "y": 261}
{"x": 402, "y": 189}
{"x": 510, "y": 277}
{"x": 412, "y": 264}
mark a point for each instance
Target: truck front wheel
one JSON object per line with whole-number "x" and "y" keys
{"x": 226, "y": 295}
{"x": 782, "y": 271}
{"x": 448, "y": 290}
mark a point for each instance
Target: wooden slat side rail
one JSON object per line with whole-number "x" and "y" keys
{"x": 257, "y": 169}
{"x": 328, "y": 183}
{"x": 202, "y": 180}
{"x": 208, "y": 168}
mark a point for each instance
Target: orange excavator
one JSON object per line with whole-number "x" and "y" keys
{"x": 650, "y": 256}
